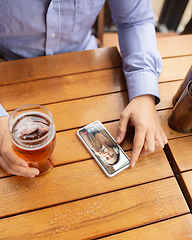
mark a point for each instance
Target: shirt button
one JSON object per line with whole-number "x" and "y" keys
{"x": 51, "y": 5}
{"x": 53, "y": 35}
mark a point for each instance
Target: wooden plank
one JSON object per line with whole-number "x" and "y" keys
{"x": 76, "y": 181}
{"x": 174, "y": 229}
{"x": 77, "y": 113}
{"x": 167, "y": 91}
{"x": 181, "y": 153}
{"x": 62, "y": 88}
{"x": 100, "y": 215}
{"x": 175, "y": 68}
{"x": 12, "y": 97}
{"x": 70, "y": 63}
{"x": 175, "y": 46}
{"x": 59, "y": 65}
{"x": 185, "y": 180}
{"x": 59, "y": 89}
{"x": 69, "y": 145}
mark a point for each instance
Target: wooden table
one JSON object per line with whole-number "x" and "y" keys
{"x": 76, "y": 200}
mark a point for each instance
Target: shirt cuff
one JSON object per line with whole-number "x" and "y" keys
{"x": 142, "y": 83}
{"x": 3, "y": 113}
{"x": 142, "y": 71}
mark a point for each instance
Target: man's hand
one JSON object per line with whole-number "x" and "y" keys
{"x": 149, "y": 136}
{"x": 9, "y": 160}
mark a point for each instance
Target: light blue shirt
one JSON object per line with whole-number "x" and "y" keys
{"x": 44, "y": 27}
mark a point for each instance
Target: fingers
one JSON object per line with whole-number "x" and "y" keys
{"x": 160, "y": 140}
{"x": 147, "y": 144}
{"x": 138, "y": 143}
{"x": 9, "y": 160}
{"x": 149, "y": 136}
{"x": 122, "y": 127}
{"x": 9, "y": 155}
{"x": 165, "y": 141}
{"x": 14, "y": 165}
{"x": 18, "y": 170}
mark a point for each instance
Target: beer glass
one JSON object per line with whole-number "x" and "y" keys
{"x": 32, "y": 133}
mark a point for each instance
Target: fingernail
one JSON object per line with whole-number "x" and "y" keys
{"x": 31, "y": 176}
{"x": 36, "y": 172}
{"x": 25, "y": 164}
{"x": 133, "y": 164}
{"x": 118, "y": 139}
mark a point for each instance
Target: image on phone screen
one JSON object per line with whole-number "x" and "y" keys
{"x": 103, "y": 148}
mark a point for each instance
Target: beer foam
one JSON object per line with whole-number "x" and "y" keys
{"x": 25, "y": 126}
{"x": 19, "y": 129}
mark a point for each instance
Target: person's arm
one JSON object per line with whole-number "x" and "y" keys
{"x": 142, "y": 66}
{"x": 9, "y": 160}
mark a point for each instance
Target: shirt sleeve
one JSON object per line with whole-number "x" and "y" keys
{"x": 142, "y": 63}
{"x": 3, "y": 113}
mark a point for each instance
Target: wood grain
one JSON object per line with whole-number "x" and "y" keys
{"x": 74, "y": 87}
{"x": 175, "y": 68}
{"x": 97, "y": 216}
{"x": 70, "y": 149}
{"x": 70, "y": 146}
{"x": 63, "y": 88}
{"x": 174, "y": 229}
{"x": 75, "y": 181}
{"x": 185, "y": 180}
{"x": 181, "y": 151}
{"x": 76, "y": 200}
{"x": 175, "y": 46}
{"x": 77, "y": 113}
{"x": 59, "y": 65}
{"x": 167, "y": 91}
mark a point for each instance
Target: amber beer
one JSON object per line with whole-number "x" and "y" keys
{"x": 33, "y": 138}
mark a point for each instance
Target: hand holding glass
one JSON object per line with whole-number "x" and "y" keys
{"x": 32, "y": 133}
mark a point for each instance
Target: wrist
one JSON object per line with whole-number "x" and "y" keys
{"x": 145, "y": 98}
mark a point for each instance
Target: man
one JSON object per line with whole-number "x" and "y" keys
{"x": 35, "y": 28}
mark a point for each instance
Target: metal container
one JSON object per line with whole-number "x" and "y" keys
{"x": 180, "y": 119}
{"x": 182, "y": 87}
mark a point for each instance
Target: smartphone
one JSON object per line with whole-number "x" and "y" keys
{"x": 107, "y": 153}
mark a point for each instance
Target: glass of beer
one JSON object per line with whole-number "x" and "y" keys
{"x": 33, "y": 138}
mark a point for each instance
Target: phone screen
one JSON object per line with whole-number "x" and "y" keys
{"x": 110, "y": 156}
